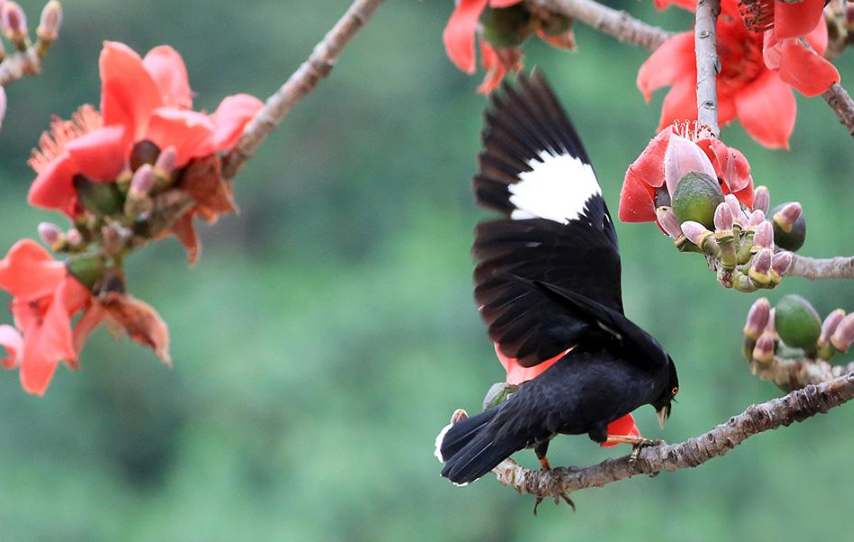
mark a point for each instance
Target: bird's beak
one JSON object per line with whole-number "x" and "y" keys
{"x": 663, "y": 413}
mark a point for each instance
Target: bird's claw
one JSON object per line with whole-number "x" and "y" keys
{"x": 636, "y": 448}
{"x": 557, "y": 499}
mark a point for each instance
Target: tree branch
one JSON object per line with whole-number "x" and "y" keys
{"x": 706, "y": 51}
{"x": 617, "y": 24}
{"x": 842, "y": 104}
{"x": 797, "y": 406}
{"x": 825, "y": 268}
{"x": 303, "y": 81}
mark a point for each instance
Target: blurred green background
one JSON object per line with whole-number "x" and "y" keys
{"x": 328, "y": 331}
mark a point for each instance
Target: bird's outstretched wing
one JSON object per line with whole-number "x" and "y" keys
{"x": 556, "y": 229}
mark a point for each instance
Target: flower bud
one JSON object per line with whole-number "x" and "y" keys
{"x": 2, "y": 103}
{"x": 694, "y": 231}
{"x": 13, "y": 22}
{"x": 723, "y": 217}
{"x": 761, "y": 199}
{"x": 458, "y": 416}
{"x": 51, "y": 234}
{"x": 696, "y": 197}
{"x": 781, "y": 262}
{"x": 790, "y": 227}
{"x": 797, "y": 322}
{"x": 757, "y": 318}
{"x": 507, "y": 27}
{"x": 757, "y": 217}
{"x": 844, "y": 334}
{"x": 764, "y": 237}
{"x": 50, "y": 21}
{"x": 828, "y": 327}
{"x": 166, "y": 161}
{"x": 735, "y": 206}
{"x": 74, "y": 237}
{"x": 763, "y": 352}
{"x": 762, "y": 261}
{"x": 668, "y": 221}
{"x": 141, "y": 182}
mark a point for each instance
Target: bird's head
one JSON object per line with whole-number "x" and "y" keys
{"x": 663, "y": 403}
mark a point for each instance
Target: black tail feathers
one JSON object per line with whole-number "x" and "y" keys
{"x": 470, "y": 448}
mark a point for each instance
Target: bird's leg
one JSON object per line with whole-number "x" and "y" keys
{"x": 636, "y": 442}
{"x": 541, "y": 449}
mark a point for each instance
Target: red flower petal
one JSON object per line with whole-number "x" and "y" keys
{"x": 793, "y": 20}
{"x": 767, "y": 110}
{"x": 458, "y": 35}
{"x": 670, "y": 63}
{"x": 806, "y": 71}
{"x": 624, "y": 426}
{"x": 90, "y": 321}
{"x": 169, "y": 72}
{"x": 503, "y": 3}
{"x": 649, "y": 167}
{"x": 100, "y": 155}
{"x": 637, "y": 202}
{"x": 690, "y": 5}
{"x": 818, "y": 39}
{"x": 495, "y": 70}
{"x": 54, "y": 187}
{"x": 128, "y": 93}
{"x": 12, "y": 341}
{"x": 190, "y": 132}
{"x": 231, "y": 117}
{"x": 516, "y": 374}
{"x": 29, "y": 272}
{"x": 680, "y": 103}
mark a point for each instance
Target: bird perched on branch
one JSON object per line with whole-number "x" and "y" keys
{"x": 548, "y": 282}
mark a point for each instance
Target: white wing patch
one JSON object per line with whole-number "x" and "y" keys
{"x": 439, "y": 438}
{"x": 556, "y": 188}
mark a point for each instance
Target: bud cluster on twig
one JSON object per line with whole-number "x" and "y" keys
{"x": 791, "y": 346}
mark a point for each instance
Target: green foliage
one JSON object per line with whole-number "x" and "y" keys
{"x": 328, "y": 332}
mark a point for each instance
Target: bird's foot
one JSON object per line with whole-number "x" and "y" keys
{"x": 636, "y": 448}
{"x": 557, "y": 499}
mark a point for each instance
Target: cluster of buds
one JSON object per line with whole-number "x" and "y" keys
{"x": 13, "y": 25}
{"x": 750, "y": 249}
{"x": 791, "y": 346}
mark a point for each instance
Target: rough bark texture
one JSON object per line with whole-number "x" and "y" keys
{"x": 826, "y": 268}
{"x": 615, "y": 23}
{"x": 318, "y": 66}
{"x": 842, "y": 104}
{"x": 793, "y": 407}
{"x": 706, "y": 50}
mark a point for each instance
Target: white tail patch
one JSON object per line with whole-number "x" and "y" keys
{"x": 557, "y": 188}
{"x": 439, "y": 438}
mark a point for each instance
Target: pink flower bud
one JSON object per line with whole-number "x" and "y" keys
{"x": 681, "y": 157}
{"x": 50, "y": 21}
{"x": 2, "y": 105}
{"x": 50, "y": 233}
{"x": 757, "y": 318}
{"x": 781, "y": 262}
{"x": 844, "y": 334}
{"x": 13, "y": 21}
{"x": 764, "y": 350}
{"x": 74, "y": 237}
{"x": 829, "y": 326}
{"x": 762, "y": 261}
{"x": 771, "y": 327}
{"x": 693, "y": 231}
{"x": 142, "y": 181}
{"x": 764, "y": 237}
{"x": 166, "y": 160}
{"x": 458, "y": 416}
{"x": 723, "y": 217}
{"x": 761, "y": 199}
{"x": 669, "y": 222}
{"x": 756, "y": 218}
{"x": 734, "y": 206}
{"x": 787, "y": 216}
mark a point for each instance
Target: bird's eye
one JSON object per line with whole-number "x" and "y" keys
{"x": 674, "y": 391}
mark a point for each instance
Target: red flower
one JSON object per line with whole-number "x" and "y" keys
{"x": 751, "y": 89}
{"x": 45, "y": 296}
{"x": 141, "y": 100}
{"x": 677, "y": 149}
{"x": 516, "y": 374}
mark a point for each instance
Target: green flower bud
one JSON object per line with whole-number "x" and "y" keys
{"x": 100, "y": 199}
{"x": 696, "y": 197}
{"x": 797, "y": 322}
{"x": 507, "y": 27}
{"x": 88, "y": 270}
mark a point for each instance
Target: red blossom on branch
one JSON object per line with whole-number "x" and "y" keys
{"x": 756, "y": 79}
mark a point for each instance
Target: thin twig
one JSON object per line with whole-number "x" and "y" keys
{"x": 706, "y": 50}
{"x": 826, "y": 268}
{"x": 796, "y": 406}
{"x": 842, "y": 104}
{"x": 319, "y": 64}
{"x": 617, "y": 24}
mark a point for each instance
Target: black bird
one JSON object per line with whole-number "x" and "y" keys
{"x": 548, "y": 280}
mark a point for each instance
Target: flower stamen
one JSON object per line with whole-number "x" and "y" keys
{"x": 52, "y": 143}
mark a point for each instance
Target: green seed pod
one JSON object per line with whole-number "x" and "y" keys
{"x": 788, "y": 236}
{"x": 507, "y": 27}
{"x": 88, "y": 270}
{"x": 101, "y": 199}
{"x": 797, "y": 322}
{"x": 696, "y": 197}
